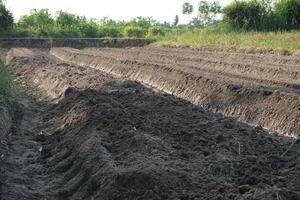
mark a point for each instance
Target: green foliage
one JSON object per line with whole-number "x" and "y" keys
{"x": 40, "y": 23}
{"x": 142, "y": 22}
{"x": 207, "y": 12}
{"x": 40, "y": 19}
{"x": 6, "y": 17}
{"x": 110, "y": 31}
{"x": 223, "y": 36}
{"x": 134, "y": 31}
{"x": 263, "y": 15}
{"x": 157, "y": 31}
{"x": 65, "y": 19}
{"x": 249, "y": 15}
{"x": 8, "y": 92}
{"x": 187, "y": 8}
{"x": 6, "y": 82}
{"x": 89, "y": 29}
{"x": 288, "y": 14}
{"x": 243, "y": 14}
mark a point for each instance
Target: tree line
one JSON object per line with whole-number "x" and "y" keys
{"x": 246, "y": 15}
{"x": 40, "y": 23}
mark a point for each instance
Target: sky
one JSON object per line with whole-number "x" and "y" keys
{"x": 161, "y": 10}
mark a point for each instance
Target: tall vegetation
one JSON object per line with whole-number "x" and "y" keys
{"x": 246, "y": 15}
{"x": 6, "y": 82}
{"x": 288, "y": 14}
{"x": 6, "y": 17}
{"x": 40, "y": 23}
{"x": 8, "y": 94}
{"x": 263, "y": 15}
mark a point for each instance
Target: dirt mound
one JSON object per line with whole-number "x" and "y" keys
{"x": 125, "y": 141}
{"x": 50, "y": 75}
{"x": 256, "y": 89}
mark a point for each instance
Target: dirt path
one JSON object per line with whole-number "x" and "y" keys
{"x": 88, "y": 135}
{"x": 25, "y": 176}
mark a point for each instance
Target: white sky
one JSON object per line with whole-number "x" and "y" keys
{"x": 161, "y": 10}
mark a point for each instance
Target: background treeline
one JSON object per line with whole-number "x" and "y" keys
{"x": 239, "y": 16}
{"x": 40, "y": 23}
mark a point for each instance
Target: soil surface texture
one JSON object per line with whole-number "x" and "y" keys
{"x": 96, "y": 126}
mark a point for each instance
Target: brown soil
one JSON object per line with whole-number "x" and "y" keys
{"x": 233, "y": 49}
{"x": 88, "y": 135}
{"x": 71, "y": 42}
{"x": 257, "y": 89}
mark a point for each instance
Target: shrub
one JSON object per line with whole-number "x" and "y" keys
{"x": 18, "y": 32}
{"x": 288, "y": 14}
{"x": 89, "y": 29}
{"x": 110, "y": 31}
{"x": 66, "y": 19}
{"x": 38, "y": 19}
{"x": 244, "y": 14}
{"x": 8, "y": 93}
{"x": 157, "y": 31}
{"x": 6, "y": 82}
{"x": 263, "y": 15}
{"x": 137, "y": 32}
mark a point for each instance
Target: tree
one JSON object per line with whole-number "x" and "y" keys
{"x": 37, "y": 19}
{"x": 196, "y": 23}
{"x": 187, "y": 8}
{"x": 207, "y": 12}
{"x": 65, "y": 19}
{"x": 6, "y": 17}
{"x": 142, "y": 22}
{"x": 176, "y": 21}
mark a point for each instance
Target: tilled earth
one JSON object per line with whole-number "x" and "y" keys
{"x": 262, "y": 90}
{"x": 88, "y": 135}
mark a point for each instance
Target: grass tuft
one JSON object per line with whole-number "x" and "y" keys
{"x": 8, "y": 92}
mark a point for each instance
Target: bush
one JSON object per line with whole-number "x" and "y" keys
{"x": 244, "y": 14}
{"x": 41, "y": 19}
{"x": 8, "y": 92}
{"x": 6, "y": 82}
{"x": 89, "y": 29}
{"x": 157, "y": 31}
{"x": 288, "y": 14}
{"x": 135, "y": 32}
{"x": 110, "y": 31}
{"x": 6, "y": 17}
{"x": 261, "y": 15}
{"x": 19, "y": 32}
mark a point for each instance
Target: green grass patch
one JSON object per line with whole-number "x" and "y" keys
{"x": 223, "y": 37}
{"x": 8, "y": 92}
{"x": 7, "y": 86}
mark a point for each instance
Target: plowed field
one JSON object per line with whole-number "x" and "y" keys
{"x": 152, "y": 123}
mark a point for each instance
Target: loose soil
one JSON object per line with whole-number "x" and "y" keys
{"x": 262, "y": 90}
{"x": 87, "y": 134}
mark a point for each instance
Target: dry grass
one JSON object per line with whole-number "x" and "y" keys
{"x": 279, "y": 42}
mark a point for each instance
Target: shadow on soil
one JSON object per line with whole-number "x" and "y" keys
{"x": 125, "y": 141}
